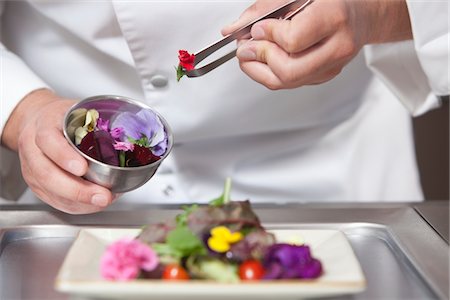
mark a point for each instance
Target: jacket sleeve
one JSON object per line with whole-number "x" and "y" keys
{"x": 16, "y": 81}
{"x": 417, "y": 71}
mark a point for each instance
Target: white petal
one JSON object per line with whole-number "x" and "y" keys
{"x": 80, "y": 133}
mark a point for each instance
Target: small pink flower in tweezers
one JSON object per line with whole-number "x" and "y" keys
{"x": 124, "y": 259}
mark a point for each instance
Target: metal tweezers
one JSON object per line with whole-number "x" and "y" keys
{"x": 286, "y": 12}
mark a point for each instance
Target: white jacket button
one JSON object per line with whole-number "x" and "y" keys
{"x": 159, "y": 81}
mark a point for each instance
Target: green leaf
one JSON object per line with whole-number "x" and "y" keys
{"x": 183, "y": 240}
{"x": 166, "y": 253}
{"x": 225, "y": 197}
{"x": 143, "y": 141}
{"x": 182, "y": 217}
{"x": 180, "y": 72}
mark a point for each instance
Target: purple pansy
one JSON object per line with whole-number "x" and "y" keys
{"x": 117, "y": 133}
{"x": 144, "y": 123}
{"x": 286, "y": 261}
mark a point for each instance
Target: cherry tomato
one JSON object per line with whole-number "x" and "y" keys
{"x": 174, "y": 272}
{"x": 251, "y": 270}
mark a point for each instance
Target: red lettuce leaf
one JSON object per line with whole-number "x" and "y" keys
{"x": 236, "y": 215}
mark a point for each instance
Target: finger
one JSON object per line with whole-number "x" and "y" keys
{"x": 303, "y": 31}
{"x": 65, "y": 205}
{"x": 258, "y": 9}
{"x": 262, "y": 74}
{"x": 61, "y": 184}
{"x": 295, "y": 70}
{"x": 51, "y": 141}
{"x": 278, "y": 61}
{"x": 54, "y": 145}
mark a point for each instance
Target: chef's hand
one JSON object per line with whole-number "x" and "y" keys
{"x": 318, "y": 42}
{"x": 50, "y": 166}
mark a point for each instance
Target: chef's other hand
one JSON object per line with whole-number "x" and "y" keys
{"x": 50, "y": 166}
{"x": 318, "y": 42}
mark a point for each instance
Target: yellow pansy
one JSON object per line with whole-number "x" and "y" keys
{"x": 222, "y": 238}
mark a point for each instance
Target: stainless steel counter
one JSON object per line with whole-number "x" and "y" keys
{"x": 403, "y": 249}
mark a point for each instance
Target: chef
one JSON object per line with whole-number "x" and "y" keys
{"x": 314, "y": 115}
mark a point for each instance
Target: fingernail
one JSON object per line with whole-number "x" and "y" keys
{"x": 246, "y": 54}
{"x": 99, "y": 200}
{"x": 257, "y": 32}
{"x": 75, "y": 167}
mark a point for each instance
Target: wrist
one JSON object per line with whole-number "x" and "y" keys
{"x": 390, "y": 21}
{"x": 25, "y": 111}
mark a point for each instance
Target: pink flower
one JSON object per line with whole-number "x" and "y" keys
{"x": 103, "y": 124}
{"x": 124, "y": 146}
{"x": 124, "y": 259}
{"x": 117, "y": 133}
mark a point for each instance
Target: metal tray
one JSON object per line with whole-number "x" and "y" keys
{"x": 402, "y": 257}
{"x": 31, "y": 256}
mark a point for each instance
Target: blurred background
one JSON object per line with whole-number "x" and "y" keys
{"x": 431, "y": 133}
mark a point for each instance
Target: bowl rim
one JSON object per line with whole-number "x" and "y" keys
{"x": 130, "y": 101}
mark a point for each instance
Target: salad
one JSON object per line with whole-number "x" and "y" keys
{"x": 222, "y": 241}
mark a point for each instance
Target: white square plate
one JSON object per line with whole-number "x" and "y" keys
{"x": 80, "y": 272}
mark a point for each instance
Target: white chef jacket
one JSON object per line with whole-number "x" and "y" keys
{"x": 345, "y": 140}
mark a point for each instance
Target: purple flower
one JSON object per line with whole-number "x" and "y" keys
{"x": 117, "y": 133}
{"x": 286, "y": 261}
{"x": 144, "y": 124}
{"x": 103, "y": 124}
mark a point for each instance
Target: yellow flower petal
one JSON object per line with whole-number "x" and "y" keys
{"x": 218, "y": 244}
{"x": 235, "y": 237}
{"x": 220, "y": 231}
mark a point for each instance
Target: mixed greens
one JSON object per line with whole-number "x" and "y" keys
{"x": 222, "y": 241}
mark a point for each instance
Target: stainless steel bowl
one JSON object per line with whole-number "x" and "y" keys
{"x": 117, "y": 179}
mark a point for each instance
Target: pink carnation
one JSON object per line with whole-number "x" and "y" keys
{"x": 124, "y": 259}
{"x": 124, "y": 146}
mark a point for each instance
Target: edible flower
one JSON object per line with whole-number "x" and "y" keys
{"x": 186, "y": 59}
{"x": 222, "y": 238}
{"x": 123, "y": 146}
{"x": 186, "y": 62}
{"x": 135, "y": 139}
{"x": 89, "y": 125}
{"x": 124, "y": 259}
{"x": 285, "y": 261}
{"x": 144, "y": 129}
